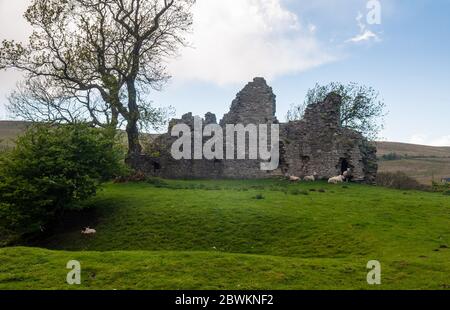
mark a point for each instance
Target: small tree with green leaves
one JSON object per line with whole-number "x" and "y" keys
{"x": 52, "y": 168}
{"x": 361, "y": 110}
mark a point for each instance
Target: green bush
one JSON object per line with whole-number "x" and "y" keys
{"x": 391, "y": 156}
{"x": 49, "y": 170}
{"x": 398, "y": 180}
{"x": 441, "y": 187}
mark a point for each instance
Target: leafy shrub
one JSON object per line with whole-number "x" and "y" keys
{"x": 391, "y": 156}
{"x": 441, "y": 187}
{"x": 398, "y": 180}
{"x": 131, "y": 176}
{"x": 50, "y": 169}
{"x": 259, "y": 197}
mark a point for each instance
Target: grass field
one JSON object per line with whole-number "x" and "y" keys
{"x": 219, "y": 235}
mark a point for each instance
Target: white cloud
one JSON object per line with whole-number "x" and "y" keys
{"x": 417, "y": 139}
{"x": 234, "y": 41}
{"x": 364, "y": 33}
{"x": 312, "y": 28}
{"x": 441, "y": 141}
{"x": 12, "y": 23}
{"x": 365, "y": 36}
{"x": 423, "y": 139}
{"x": 12, "y": 26}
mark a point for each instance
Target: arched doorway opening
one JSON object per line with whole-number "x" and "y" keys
{"x": 156, "y": 166}
{"x": 344, "y": 165}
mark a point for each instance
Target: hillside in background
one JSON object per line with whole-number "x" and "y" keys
{"x": 9, "y": 130}
{"x": 419, "y": 161}
{"x": 412, "y": 150}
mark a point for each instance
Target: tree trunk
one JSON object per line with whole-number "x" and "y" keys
{"x": 134, "y": 146}
{"x": 114, "y": 117}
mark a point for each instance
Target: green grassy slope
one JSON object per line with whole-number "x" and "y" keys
{"x": 215, "y": 234}
{"x": 30, "y": 268}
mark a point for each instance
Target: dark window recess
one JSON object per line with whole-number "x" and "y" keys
{"x": 156, "y": 166}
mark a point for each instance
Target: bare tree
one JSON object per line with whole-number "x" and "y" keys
{"x": 37, "y": 100}
{"x": 296, "y": 112}
{"x": 91, "y": 50}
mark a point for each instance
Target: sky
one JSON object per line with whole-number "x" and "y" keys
{"x": 399, "y": 47}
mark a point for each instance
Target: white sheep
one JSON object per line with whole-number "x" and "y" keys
{"x": 88, "y": 231}
{"x": 336, "y": 180}
{"x": 294, "y": 179}
{"x": 310, "y": 178}
{"x": 347, "y": 175}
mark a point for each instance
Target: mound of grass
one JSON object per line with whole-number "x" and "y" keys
{"x": 297, "y": 192}
{"x": 31, "y": 268}
{"x": 188, "y": 235}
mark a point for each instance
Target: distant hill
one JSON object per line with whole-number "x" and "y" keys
{"x": 412, "y": 150}
{"x": 419, "y": 161}
{"x": 9, "y": 130}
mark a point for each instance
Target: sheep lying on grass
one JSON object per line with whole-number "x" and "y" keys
{"x": 310, "y": 178}
{"x": 88, "y": 231}
{"x": 336, "y": 180}
{"x": 294, "y": 179}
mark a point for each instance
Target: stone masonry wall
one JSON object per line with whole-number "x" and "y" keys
{"x": 317, "y": 144}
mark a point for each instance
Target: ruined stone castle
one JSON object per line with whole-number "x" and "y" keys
{"x": 317, "y": 144}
